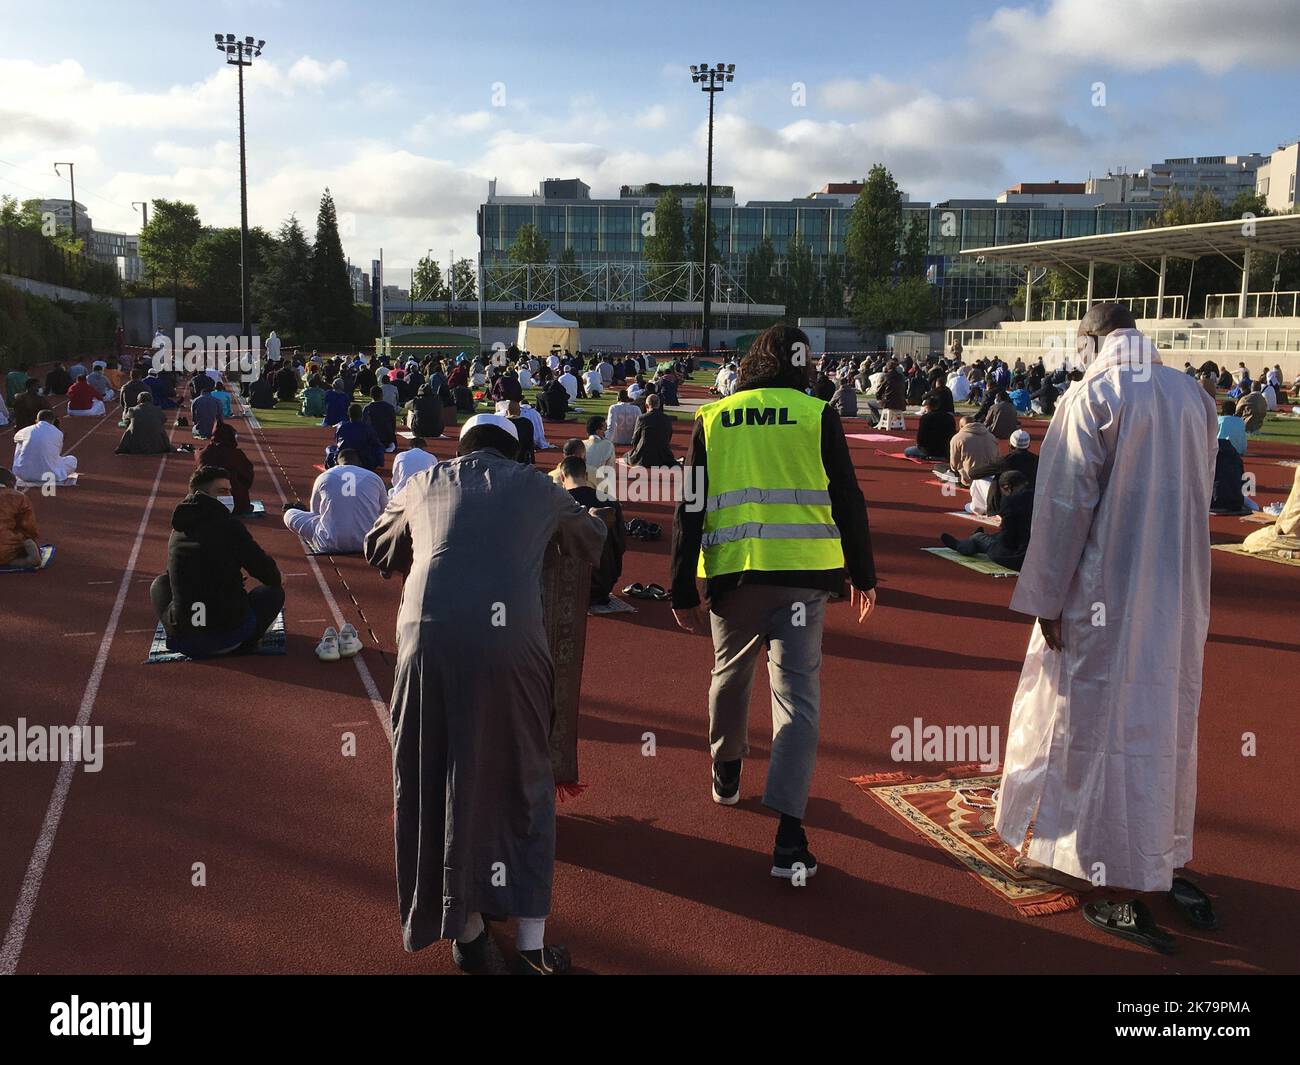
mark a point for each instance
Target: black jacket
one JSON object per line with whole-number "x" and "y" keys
{"x": 207, "y": 555}
{"x": 934, "y": 432}
{"x": 1008, "y": 545}
{"x": 652, "y": 441}
{"x": 1022, "y": 460}
{"x": 848, "y": 510}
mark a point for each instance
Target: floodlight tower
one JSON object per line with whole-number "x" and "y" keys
{"x": 240, "y": 54}
{"x": 711, "y": 80}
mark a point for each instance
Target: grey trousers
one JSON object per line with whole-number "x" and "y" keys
{"x": 788, "y": 622}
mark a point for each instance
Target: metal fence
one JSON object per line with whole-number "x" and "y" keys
{"x": 25, "y": 253}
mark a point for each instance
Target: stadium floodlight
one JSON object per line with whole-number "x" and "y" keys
{"x": 240, "y": 54}
{"x": 694, "y": 69}
{"x": 711, "y": 80}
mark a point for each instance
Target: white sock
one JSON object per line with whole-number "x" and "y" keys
{"x": 473, "y": 928}
{"x": 530, "y": 933}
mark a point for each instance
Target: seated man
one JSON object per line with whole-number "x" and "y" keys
{"x": 286, "y": 384}
{"x": 1227, "y": 495}
{"x": 526, "y": 453}
{"x": 1282, "y": 538}
{"x": 146, "y": 429}
{"x": 410, "y": 462}
{"x": 82, "y": 401}
{"x": 600, "y": 451}
{"x": 224, "y": 453}
{"x": 38, "y": 452}
{"x": 224, "y": 398}
{"x": 652, "y": 439}
{"x": 1232, "y": 428}
{"x": 934, "y": 431}
{"x": 313, "y": 399}
{"x": 972, "y": 445}
{"x": 985, "y": 488}
{"x": 1252, "y": 409}
{"x": 28, "y": 404}
{"x": 345, "y": 501}
{"x": 554, "y": 402}
{"x": 132, "y": 390}
{"x": 574, "y": 448}
{"x": 622, "y": 420}
{"x": 604, "y": 576}
{"x": 355, "y": 435}
{"x": 57, "y": 381}
{"x": 262, "y": 394}
{"x": 1002, "y": 418}
{"x": 205, "y": 413}
{"x": 593, "y": 382}
{"x": 18, "y": 536}
{"x": 381, "y": 416}
{"x": 99, "y": 381}
{"x": 1006, "y": 546}
{"x": 337, "y": 401}
{"x": 201, "y": 600}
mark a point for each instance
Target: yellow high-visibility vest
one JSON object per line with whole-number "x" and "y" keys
{"x": 768, "y": 507}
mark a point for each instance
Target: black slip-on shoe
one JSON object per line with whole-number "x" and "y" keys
{"x": 471, "y": 957}
{"x": 789, "y": 861}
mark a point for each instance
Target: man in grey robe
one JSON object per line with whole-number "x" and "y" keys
{"x": 472, "y": 696}
{"x": 146, "y": 429}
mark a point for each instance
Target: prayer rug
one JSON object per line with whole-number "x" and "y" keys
{"x": 272, "y": 643}
{"x": 904, "y": 457}
{"x": 259, "y": 508}
{"x": 983, "y": 519}
{"x": 1236, "y": 549}
{"x": 47, "y": 556}
{"x": 876, "y": 438}
{"x": 1260, "y": 519}
{"x": 71, "y": 482}
{"x": 1293, "y": 463}
{"x": 979, "y": 563}
{"x": 939, "y": 484}
{"x": 566, "y": 589}
{"x": 954, "y": 811}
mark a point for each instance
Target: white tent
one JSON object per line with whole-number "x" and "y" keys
{"x": 538, "y": 335}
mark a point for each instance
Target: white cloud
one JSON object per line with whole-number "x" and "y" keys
{"x": 654, "y": 117}
{"x": 313, "y": 74}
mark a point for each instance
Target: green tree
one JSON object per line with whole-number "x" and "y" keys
{"x": 802, "y": 288}
{"x": 916, "y": 242}
{"x": 666, "y": 244}
{"x": 831, "y": 303}
{"x": 427, "y": 283}
{"x": 911, "y": 303}
{"x": 331, "y": 289}
{"x": 168, "y": 241}
{"x": 464, "y": 279}
{"x": 759, "y": 281}
{"x": 529, "y": 246}
{"x": 875, "y": 221}
{"x": 282, "y": 293}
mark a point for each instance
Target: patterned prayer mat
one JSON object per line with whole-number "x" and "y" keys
{"x": 979, "y": 563}
{"x": 904, "y": 457}
{"x": 1236, "y": 549}
{"x": 272, "y": 643}
{"x": 566, "y": 588}
{"x": 614, "y": 606}
{"x": 983, "y": 519}
{"x": 954, "y": 811}
{"x": 47, "y": 556}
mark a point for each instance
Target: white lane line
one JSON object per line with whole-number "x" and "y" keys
{"x": 31, "y": 886}
{"x": 69, "y": 634}
{"x": 367, "y": 680}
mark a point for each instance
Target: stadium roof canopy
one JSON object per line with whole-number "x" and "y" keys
{"x": 1269, "y": 234}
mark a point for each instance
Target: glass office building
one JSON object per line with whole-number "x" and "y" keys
{"x": 612, "y": 231}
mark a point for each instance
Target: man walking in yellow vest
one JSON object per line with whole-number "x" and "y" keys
{"x": 778, "y": 522}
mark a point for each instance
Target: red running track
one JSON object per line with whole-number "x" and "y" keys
{"x": 238, "y": 764}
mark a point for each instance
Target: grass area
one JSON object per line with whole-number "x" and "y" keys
{"x": 1279, "y": 430}
{"x": 285, "y": 415}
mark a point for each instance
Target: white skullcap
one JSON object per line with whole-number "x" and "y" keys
{"x": 1019, "y": 439}
{"x": 494, "y": 420}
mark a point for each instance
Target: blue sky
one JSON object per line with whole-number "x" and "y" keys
{"x": 405, "y": 110}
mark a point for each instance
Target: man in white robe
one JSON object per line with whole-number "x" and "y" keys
{"x": 406, "y": 464}
{"x": 38, "y": 452}
{"x": 1100, "y": 768}
{"x": 540, "y": 443}
{"x": 345, "y": 501}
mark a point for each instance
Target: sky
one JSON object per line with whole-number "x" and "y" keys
{"x": 406, "y": 110}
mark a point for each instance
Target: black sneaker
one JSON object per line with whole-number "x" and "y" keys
{"x": 726, "y": 782}
{"x": 786, "y": 859}
{"x": 471, "y": 957}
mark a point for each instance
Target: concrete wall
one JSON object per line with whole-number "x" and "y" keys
{"x": 53, "y": 292}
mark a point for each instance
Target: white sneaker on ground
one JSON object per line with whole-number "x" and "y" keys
{"x": 349, "y": 643}
{"x": 328, "y": 648}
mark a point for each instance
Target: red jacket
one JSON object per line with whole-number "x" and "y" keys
{"x": 81, "y": 396}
